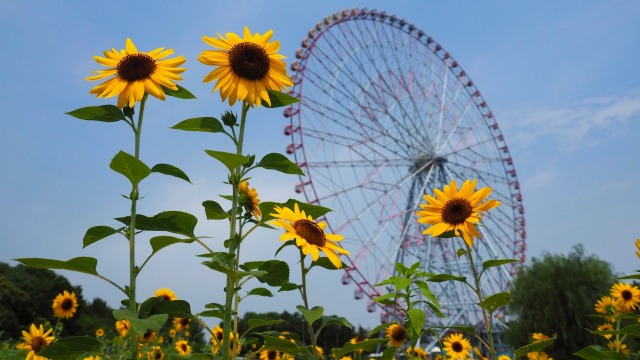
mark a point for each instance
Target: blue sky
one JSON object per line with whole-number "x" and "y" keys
{"x": 560, "y": 77}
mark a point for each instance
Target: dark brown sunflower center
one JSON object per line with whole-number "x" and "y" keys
{"x": 184, "y": 321}
{"x": 147, "y": 335}
{"x": 67, "y": 304}
{"x": 38, "y": 343}
{"x": 398, "y": 333}
{"x": 249, "y": 61}
{"x": 456, "y": 211}
{"x": 457, "y": 347}
{"x": 183, "y": 346}
{"x": 220, "y": 336}
{"x": 166, "y": 297}
{"x": 310, "y": 231}
{"x": 136, "y": 67}
{"x": 626, "y": 295}
{"x": 272, "y": 354}
{"x": 158, "y": 355}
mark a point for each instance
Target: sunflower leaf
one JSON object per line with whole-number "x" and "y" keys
{"x": 170, "y": 170}
{"x": 260, "y": 292}
{"x": 230, "y": 160}
{"x": 389, "y": 353}
{"x": 311, "y": 315}
{"x": 129, "y": 166}
{"x": 416, "y": 321}
{"x": 81, "y": 264}
{"x": 324, "y": 262}
{"x": 204, "y": 124}
{"x": 104, "y": 113}
{"x": 495, "y": 262}
{"x": 97, "y": 233}
{"x": 214, "y": 211}
{"x": 496, "y": 301}
{"x": 279, "y": 99}
{"x": 369, "y": 345}
{"x": 284, "y": 345}
{"x": 70, "y": 347}
{"x": 279, "y": 162}
{"x": 534, "y": 347}
{"x": 160, "y": 242}
{"x": 176, "y": 222}
{"x": 276, "y": 272}
{"x": 446, "y": 277}
{"x": 288, "y": 286}
{"x": 595, "y": 352}
{"x": 181, "y": 93}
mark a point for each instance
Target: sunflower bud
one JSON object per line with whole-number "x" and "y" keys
{"x": 229, "y": 118}
{"x": 128, "y": 111}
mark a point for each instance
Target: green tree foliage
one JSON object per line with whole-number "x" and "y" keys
{"x": 556, "y": 294}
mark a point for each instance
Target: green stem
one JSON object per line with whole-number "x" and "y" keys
{"x": 487, "y": 320}
{"x": 305, "y": 300}
{"x": 231, "y": 280}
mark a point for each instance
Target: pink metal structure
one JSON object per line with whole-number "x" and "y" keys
{"x": 387, "y": 115}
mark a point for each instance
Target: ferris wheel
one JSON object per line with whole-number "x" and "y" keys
{"x": 387, "y": 115}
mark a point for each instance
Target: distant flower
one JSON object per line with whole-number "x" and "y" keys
{"x": 319, "y": 350}
{"x": 417, "y": 352}
{"x": 166, "y": 294}
{"x": 34, "y": 341}
{"x": 246, "y": 67}
{"x": 217, "y": 341}
{"x": 626, "y": 295}
{"x": 397, "y": 335}
{"x": 538, "y": 356}
{"x": 65, "y": 305}
{"x": 181, "y": 324}
{"x": 123, "y": 327}
{"x": 269, "y": 355}
{"x": 537, "y": 337}
{"x": 618, "y": 347}
{"x": 456, "y": 210}
{"x": 606, "y": 327}
{"x": 172, "y": 333}
{"x": 356, "y": 340}
{"x": 148, "y": 337}
{"x": 504, "y": 357}
{"x": 97, "y": 357}
{"x": 607, "y": 305}
{"x": 135, "y": 73}
{"x": 156, "y": 353}
{"x": 346, "y": 358}
{"x": 249, "y": 199}
{"x": 100, "y": 332}
{"x": 182, "y": 347}
{"x": 456, "y": 346}
{"x": 308, "y": 235}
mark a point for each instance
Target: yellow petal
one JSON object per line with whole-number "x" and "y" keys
{"x": 131, "y": 49}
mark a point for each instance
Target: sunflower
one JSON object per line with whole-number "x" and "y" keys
{"x": 217, "y": 336}
{"x": 156, "y": 353}
{"x": 319, "y": 351}
{"x": 247, "y": 67}
{"x": 172, "y": 333}
{"x": 35, "y": 340}
{"x": 123, "y": 327}
{"x": 627, "y": 296}
{"x": 217, "y": 341}
{"x": 504, "y": 357}
{"x": 397, "y": 335}
{"x": 100, "y": 332}
{"x": 135, "y": 73}
{"x": 607, "y": 305}
{"x": 249, "y": 199}
{"x": 65, "y": 305}
{"x": 618, "y": 347}
{"x": 456, "y": 346}
{"x": 181, "y": 324}
{"x": 606, "y": 327}
{"x": 166, "y": 294}
{"x": 308, "y": 235}
{"x": 148, "y": 337}
{"x": 182, "y": 347}
{"x": 537, "y": 337}
{"x": 538, "y": 356}
{"x": 269, "y": 355}
{"x": 97, "y": 357}
{"x": 456, "y": 210}
{"x": 346, "y": 358}
{"x": 418, "y": 352}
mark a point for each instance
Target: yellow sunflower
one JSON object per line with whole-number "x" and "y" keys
{"x": 100, "y": 332}
{"x": 456, "y": 210}
{"x": 135, "y": 73}
{"x": 627, "y": 296}
{"x": 249, "y": 199}
{"x": 319, "y": 351}
{"x": 417, "y": 352}
{"x": 308, "y": 235}
{"x": 247, "y": 67}
{"x": 35, "y": 340}
{"x": 123, "y": 327}
{"x": 166, "y": 294}
{"x": 97, "y": 357}
{"x": 156, "y": 353}
{"x": 183, "y": 347}
{"x": 269, "y": 355}
{"x": 172, "y": 333}
{"x": 607, "y": 305}
{"x": 65, "y": 305}
{"x": 181, "y": 324}
{"x": 148, "y": 337}
{"x": 606, "y": 327}
{"x": 397, "y": 335}
{"x": 346, "y": 358}
{"x": 618, "y": 347}
{"x": 504, "y": 357}
{"x": 537, "y": 337}
{"x": 456, "y": 346}
{"x": 538, "y": 356}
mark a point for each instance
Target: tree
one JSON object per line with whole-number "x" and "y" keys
{"x": 557, "y": 295}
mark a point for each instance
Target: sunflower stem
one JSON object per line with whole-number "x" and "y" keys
{"x": 303, "y": 272}
{"x": 487, "y": 319}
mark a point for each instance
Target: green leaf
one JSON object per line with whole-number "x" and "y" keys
{"x": 427, "y": 293}
{"x": 461, "y": 252}
{"x": 212, "y": 313}
{"x": 314, "y": 211}
{"x": 141, "y": 326}
{"x": 495, "y": 262}
{"x": 496, "y": 301}
{"x": 97, "y": 233}
{"x": 70, "y": 347}
{"x": 400, "y": 283}
{"x": 368, "y": 345}
{"x": 416, "y": 319}
{"x": 132, "y": 168}
{"x": 181, "y": 93}
{"x": 204, "y": 124}
{"x": 534, "y": 347}
{"x": 388, "y": 353}
{"x": 289, "y": 287}
{"x": 311, "y": 315}
{"x": 632, "y": 330}
{"x": 279, "y": 99}
{"x": 170, "y": 170}
{"x": 335, "y": 320}
{"x": 221, "y": 261}
{"x": 255, "y": 323}
{"x": 276, "y": 272}
{"x": 284, "y": 345}
{"x": 214, "y": 211}
{"x": 231, "y": 161}
{"x": 595, "y": 352}
{"x": 386, "y": 299}
{"x": 81, "y": 264}
{"x": 260, "y": 292}
{"x": 629, "y": 277}
{"x": 325, "y": 263}
{"x": 104, "y": 113}
{"x": 176, "y": 222}
{"x": 160, "y": 242}
{"x": 279, "y": 162}
{"x": 447, "y": 277}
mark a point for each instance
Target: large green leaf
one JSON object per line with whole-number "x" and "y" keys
{"x": 284, "y": 345}
{"x": 132, "y": 168}
{"x": 416, "y": 319}
{"x": 181, "y": 93}
{"x": 230, "y": 160}
{"x": 495, "y": 262}
{"x": 279, "y": 162}
{"x": 204, "y": 124}
{"x": 260, "y": 292}
{"x": 170, "y": 170}
{"x": 276, "y": 272}
{"x": 595, "y": 352}
{"x": 157, "y": 305}
{"x": 81, "y": 264}
{"x": 279, "y": 99}
{"x": 446, "y": 277}
{"x": 71, "y": 347}
{"x": 160, "y": 242}
{"x": 97, "y": 233}
{"x": 141, "y": 326}
{"x": 388, "y": 353}
{"x": 104, "y": 113}
{"x": 176, "y": 222}
{"x": 311, "y": 315}
{"x": 214, "y": 211}
{"x": 495, "y": 301}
